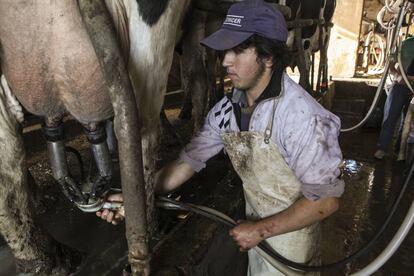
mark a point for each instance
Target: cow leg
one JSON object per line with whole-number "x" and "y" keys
{"x": 187, "y": 106}
{"x": 194, "y": 69}
{"x": 303, "y": 62}
{"x": 214, "y": 67}
{"x": 150, "y": 58}
{"x": 34, "y": 250}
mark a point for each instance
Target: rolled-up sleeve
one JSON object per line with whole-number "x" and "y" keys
{"x": 317, "y": 157}
{"x": 205, "y": 144}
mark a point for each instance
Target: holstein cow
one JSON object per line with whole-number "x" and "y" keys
{"x": 198, "y": 64}
{"x": 58, "y": 60}
{"x": 308, "y": 22}
{"x": 309, "y": 33}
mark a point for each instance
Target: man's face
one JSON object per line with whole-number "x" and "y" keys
{"x": 243, "y": 67}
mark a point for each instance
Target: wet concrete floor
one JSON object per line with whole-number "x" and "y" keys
{"x": 371, "y": 187}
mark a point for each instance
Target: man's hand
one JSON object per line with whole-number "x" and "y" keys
{"x": 113, "y": 217}
{"x": 247, "y": 234}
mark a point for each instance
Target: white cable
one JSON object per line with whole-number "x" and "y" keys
{"x": 392, "y": 246}
{"x": 392, "y": 7}
{"x": 380, "y": 17}
{"x": 379, "y": 64}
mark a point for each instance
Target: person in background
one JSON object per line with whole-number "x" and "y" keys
{"x": 281, "y": 142}
{"x": 396, "y": 107}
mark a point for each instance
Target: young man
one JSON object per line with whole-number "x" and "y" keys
{"x": 281, "y": 142}
{"x": 396, "y": 105}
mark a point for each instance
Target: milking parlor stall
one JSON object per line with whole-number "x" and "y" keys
{"x": 97, "y": 96}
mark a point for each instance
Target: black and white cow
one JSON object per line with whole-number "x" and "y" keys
{"x": 52, "y": 68}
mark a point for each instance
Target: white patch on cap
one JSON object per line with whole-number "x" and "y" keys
{"x": 234, "y": 20}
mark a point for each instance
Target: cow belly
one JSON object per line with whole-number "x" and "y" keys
{"x": 50, "y": 62}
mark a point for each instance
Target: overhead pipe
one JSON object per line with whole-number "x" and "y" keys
{"x": 127, "y": 129}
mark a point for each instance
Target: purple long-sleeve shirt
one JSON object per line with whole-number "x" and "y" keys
{"x": 305, "y": 133}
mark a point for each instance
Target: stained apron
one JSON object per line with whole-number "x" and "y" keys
{"x": 270, "y": 187}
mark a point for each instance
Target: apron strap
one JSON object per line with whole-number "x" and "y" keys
{"x": 269, "y": 128}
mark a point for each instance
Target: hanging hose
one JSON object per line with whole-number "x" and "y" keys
{"x": 215, "y": 215}
{"x": 379, "y": 62}
{"x": 391, "y": 8}
{"x": 374, "y": 101}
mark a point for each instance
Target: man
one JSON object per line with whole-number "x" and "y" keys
{"x": 396, "y": 107}
{"x": 281, "y": 142}
{"x": 407, "y": 146}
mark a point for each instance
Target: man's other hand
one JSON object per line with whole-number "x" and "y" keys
{"x": 246, "y": 234}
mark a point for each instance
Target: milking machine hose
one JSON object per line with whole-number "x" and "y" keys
{"x": 215, "y": 215}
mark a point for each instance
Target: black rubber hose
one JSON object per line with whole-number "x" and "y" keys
{"x": 266, "y": 248}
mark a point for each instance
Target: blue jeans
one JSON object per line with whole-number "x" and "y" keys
{"x": 396, "y": 105}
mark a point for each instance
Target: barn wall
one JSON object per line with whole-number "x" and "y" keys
{"x": 344, "y": 35}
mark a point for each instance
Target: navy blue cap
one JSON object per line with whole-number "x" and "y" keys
{"x": 245, "y": 19}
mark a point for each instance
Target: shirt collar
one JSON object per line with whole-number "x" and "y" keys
{"x": 239, "y": 96}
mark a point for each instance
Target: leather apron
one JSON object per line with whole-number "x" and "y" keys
{"x": 270, "y": 187}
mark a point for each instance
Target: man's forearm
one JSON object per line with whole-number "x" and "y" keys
{"x": 300, "y": 214}
{"x": 172, "y": 176}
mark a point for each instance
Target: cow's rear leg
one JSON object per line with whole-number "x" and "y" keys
{"x": 150, "y": 146}
{"x": 34, "y": 250}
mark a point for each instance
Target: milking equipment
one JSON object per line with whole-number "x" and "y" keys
{"x": 88, "y": 193}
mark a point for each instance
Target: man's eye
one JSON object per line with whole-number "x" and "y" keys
{"x": 238, "y": 50}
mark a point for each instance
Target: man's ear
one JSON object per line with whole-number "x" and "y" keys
{"x": 268, "y": 62}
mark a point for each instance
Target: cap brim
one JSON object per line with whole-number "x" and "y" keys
{"x": 225, "y": 39}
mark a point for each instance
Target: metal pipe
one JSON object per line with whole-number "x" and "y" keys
{"x": 111, "y": 138}
{"x": 102, "y": 158}
{"x": 100, "y": 150}
{"x": 57, "y": 158}
{"x": 127, "y": 129}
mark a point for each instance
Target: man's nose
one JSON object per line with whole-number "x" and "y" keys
{"x": 228, "y": 59}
